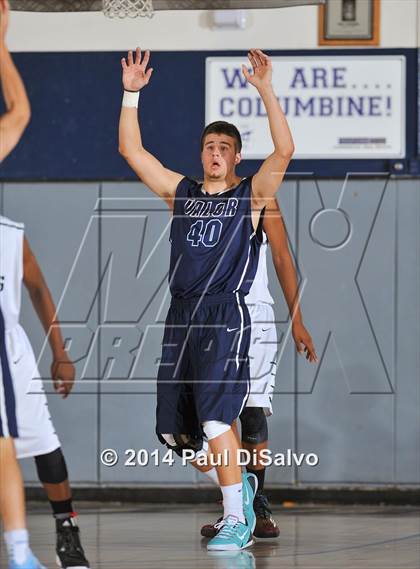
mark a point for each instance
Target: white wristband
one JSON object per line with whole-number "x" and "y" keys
{"x": 131, "y": 99}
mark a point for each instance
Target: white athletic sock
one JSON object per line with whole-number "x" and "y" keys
{"x": 17, "y": 543}
{"x": 232, "y": 501}
{"x": 212, "y": 474}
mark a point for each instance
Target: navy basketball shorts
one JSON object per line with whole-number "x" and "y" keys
{"x": 8, "y": 421}
{"x": 204, "y": 370}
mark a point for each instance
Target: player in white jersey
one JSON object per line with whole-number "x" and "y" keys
{"x": 25, "y": 423}
{"x": 36, "y": 435}
{"x": 12, "y": 501}
{"x": 263, "y": 354}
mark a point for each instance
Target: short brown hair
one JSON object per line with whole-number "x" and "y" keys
{"x": 223, "y": 127}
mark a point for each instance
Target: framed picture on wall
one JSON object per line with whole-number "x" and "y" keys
{"x": 349, "y": 22}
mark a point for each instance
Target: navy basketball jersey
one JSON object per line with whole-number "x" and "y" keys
{"x": 215, "y": 248}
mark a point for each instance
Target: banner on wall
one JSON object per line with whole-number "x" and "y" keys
{"x": 337, "y": 106}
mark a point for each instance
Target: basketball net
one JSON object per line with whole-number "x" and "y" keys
{"x": 127, "y": 8}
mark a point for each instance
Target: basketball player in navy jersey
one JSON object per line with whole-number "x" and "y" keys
{"x": 12, "y": 501}
{"x": 216, "y": 232}
{"x": 263, "y": 355}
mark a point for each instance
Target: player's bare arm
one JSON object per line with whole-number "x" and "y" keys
{"x": 161, "y": 180}
{"x": 267, "y": 180}
{"x": 286, "y": 273}
{"x": 18, "y": 112}
{"x": 62, "y": 369}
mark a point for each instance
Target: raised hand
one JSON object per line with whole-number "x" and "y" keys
{"x": 4, "y": 18}
{"x": 261, "y": 67}
{"x": 135, "y": 76}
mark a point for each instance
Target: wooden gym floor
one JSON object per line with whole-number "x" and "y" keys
{"x": 167, "y": 537}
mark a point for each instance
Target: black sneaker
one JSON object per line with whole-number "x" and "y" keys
{"x": 69, "y": 550}
{"x": 265, "y": 527}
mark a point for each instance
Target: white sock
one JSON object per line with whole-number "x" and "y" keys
{"x": 212, "y": 474}
{"x": 232, "y": 501}
{"x": 17, "y": 543}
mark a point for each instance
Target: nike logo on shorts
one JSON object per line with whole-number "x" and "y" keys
{"x": 231, "y": 329}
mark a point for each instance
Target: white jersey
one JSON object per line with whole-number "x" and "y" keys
{"x": 11, "y": 270}
{"x": 35, "y": 428}
{"x": 259, "y": 293}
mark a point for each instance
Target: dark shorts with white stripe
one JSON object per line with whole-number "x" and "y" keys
{"x": 8, "y": 422}
{"x": 204, "y": 369}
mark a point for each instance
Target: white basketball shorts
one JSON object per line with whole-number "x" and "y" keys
{"x": 37, "y": 435}
{"x": 262, "y": 357}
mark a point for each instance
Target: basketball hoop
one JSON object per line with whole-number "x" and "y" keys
{"x": 128, "y": 8}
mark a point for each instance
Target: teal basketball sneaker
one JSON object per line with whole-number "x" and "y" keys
{"x": 31, "y": 563}
{"x": 249, "y": 489}
{"x": 210, "y": 530}
{"x": 233, "y": 535}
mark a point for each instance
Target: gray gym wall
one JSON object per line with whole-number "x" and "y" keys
{"x": 358, "y": 409}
